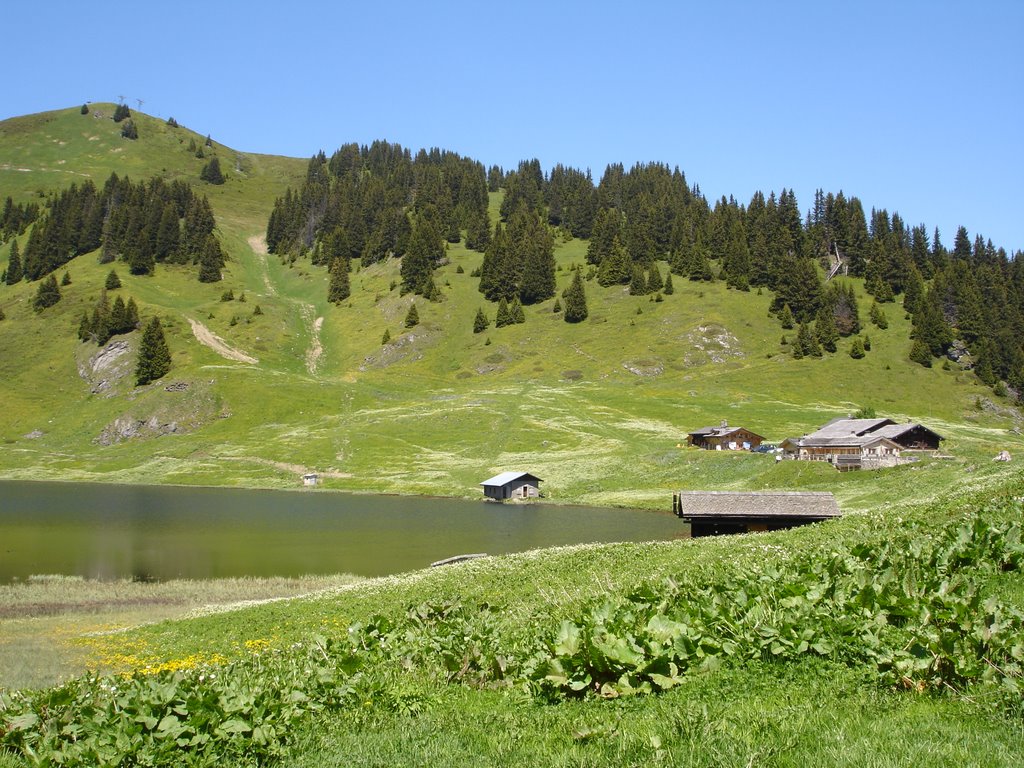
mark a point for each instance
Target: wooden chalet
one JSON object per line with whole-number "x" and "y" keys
{"x": 512, "y": 485}
{"x": 714, "y": 513}
{"x": 861, "y": 443}
{"x": 724, "y": 438}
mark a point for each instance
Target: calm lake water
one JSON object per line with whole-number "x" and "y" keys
{"x": 152, "y": 532}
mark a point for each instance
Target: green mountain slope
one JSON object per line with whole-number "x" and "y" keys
{"x": 599, "y": 409}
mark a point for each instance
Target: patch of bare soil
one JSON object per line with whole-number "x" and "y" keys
{"x": 258, "y": 243}
{"x": 208, "y": 338}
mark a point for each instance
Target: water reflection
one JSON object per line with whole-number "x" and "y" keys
{"x": 109, "y": 531}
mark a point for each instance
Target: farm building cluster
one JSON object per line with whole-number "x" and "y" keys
{"x": 845, "y": 443}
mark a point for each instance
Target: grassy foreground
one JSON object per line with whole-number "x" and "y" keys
{"x": 913, "y": 657}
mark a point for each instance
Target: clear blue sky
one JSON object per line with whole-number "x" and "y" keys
{"x": 912, "y": 106}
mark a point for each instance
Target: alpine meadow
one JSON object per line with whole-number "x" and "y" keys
{"x": 408, "y": 321}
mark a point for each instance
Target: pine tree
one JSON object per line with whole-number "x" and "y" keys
{"x": 877, "y": 315}
{"x": 113, "y": 282}
{"x": 825, "y": 329}
{"x": 119, "y": 317}
{"x": 210, "y": 261}
{"x": 154, "y": 356}
{"x": 84, "y": 327}
{"x": 129, "y": 131}
{"x": 412, "y": 317}
{"x": 575, "y": 300}
{"x": 480, "y": 322}
{"x": 211, "y": 172}
{"x": 615, "y": 268}
{"x": 502, "y": 318}
{"x": 857, "y": 348}
{"x": 47, "y": 294}
{"x": 638, "y": 283}
{"x": 786, "y": 318}
{"x": 386, "y": 337}
{"x": 557, "y": 307}
{"x": 340, "y": 287}
{"x": 668, "y": 290}
{"x": 66, "y": 279}
{"x": 654, "y": 281}
{"x": 919, "y": 353}
{"x": 131, "y": 316}
{"x": 14, "y": 270}
{"x": 121, "y": 112}
{"x": 515, "y": 311}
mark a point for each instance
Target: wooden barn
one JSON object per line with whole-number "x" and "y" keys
{"x": 512, "y": 485}
{"x": 861, "y": 443}
{"x": 724, "y": 438}
{"x": 714, "y": 513}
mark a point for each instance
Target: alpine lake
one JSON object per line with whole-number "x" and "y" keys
{"x": 147, "y": 533}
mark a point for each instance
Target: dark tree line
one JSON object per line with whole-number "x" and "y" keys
{"x": 371, "y": 196}
{"x": 15, "y": 218}
{"x": 141, "y": 224}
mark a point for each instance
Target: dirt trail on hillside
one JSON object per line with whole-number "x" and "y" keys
{"x": 316, "y": 348}
{"x": 217, "y": 344}
{"x": 258, "y": 243}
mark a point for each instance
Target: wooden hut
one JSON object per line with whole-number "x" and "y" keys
{"x": 512, "y": 485}
{"x": 713, "y": 513}
{"x": 724, "y": 438}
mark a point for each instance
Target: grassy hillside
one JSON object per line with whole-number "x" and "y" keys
{"x": 599, "y": 410}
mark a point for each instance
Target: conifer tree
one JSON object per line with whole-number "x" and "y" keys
{"x": 154, "y": 355}
{"x": 121, "y": 112}
{"x": 412, "y": 317}
{"x": 786, "y": 318}
{"x": 14, "y": 270}
{"x": 638, "y": 283}
{"x": 119, "y": 317}
{"x": 340, "y": 287}
{"x": 919, "y": 353}
{"x": 557, "y": 307}
{"x": 480, "y": 322}
{"x": 131, "y": 316}
{"x": 210, "y": 261}
{"x": 386, "y": 337}
{"x": 654, "y": 281}
{"x": 47, "y": 294}
{"x": 857, "y": 348}
{"x": 113, "y": 282}
{"x": 575, "y": 300}
{"x": 825, "y": 329}
{"x": 211, "y": 172}
{"x": 84, "y": 327}
{"x": 502, "y": 318}
{"x": 66, "y": 279}
{"x": 129, "y": 131}
{"x": 878, "y": 317}
{"x": 668, "y": 290}
{"x": 515, "y": 311}
{"x": 615, "y": 268}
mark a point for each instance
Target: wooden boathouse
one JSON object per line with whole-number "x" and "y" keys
{"x": 714, "y": 513}
{"x": 512, "y": 485}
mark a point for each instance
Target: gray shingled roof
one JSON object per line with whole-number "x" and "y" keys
{"x": 847, "y": 427}
{"x": 508, "y": 477}
{"x": 893, "y": 431}
{"x": 808, "y": 504}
